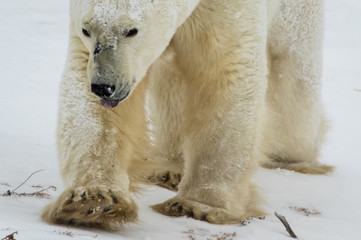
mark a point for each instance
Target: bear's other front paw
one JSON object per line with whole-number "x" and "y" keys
{"x": 182, "y": 207}
{"x": 91, "y": 207}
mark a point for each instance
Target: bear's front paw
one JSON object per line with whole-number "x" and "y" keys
{"x": 91, "y": 207}
{"x": 178, "y": 206}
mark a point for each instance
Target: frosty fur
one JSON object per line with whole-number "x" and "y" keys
{"x": 232, "y": 84}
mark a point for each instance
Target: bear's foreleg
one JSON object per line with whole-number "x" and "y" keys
{"x": 95, "y": 146}
{"x": 224, "y": 96}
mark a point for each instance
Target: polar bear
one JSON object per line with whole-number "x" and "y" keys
{"x": 231, "y": 84}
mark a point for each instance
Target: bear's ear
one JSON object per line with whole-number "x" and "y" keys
{"x": 85, "y": 32}
{"x": 131, "y": 33}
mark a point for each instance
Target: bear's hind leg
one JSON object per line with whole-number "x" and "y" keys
{"x": 167, "y": 179}
{"x": 296, "y": 125}
{"x": 166, "y": 98}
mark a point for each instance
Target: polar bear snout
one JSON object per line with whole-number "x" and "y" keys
{"x": 109, "y": 98}
{"x": 103, "y": 90}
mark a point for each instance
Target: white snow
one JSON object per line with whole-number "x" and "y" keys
{"x": 33, "y": 44}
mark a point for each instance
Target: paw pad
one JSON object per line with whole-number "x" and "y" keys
{"x": 91, "y": 207}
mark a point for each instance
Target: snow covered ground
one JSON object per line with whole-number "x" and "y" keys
{"x": 33, "y": 42}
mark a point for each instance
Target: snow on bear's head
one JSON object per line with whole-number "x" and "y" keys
{"x": 124, "y": 37}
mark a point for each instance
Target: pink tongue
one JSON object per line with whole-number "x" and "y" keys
{"x": 109, "y": 103}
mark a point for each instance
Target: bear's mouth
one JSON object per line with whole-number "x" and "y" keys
{"x": 109, "y": 103}
{"x": 112, "y": 103}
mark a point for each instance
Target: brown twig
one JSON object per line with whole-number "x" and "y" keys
{"x": 39, "y": 193}
{"x": 287, "y": 226}
{"x": 10, "y": 236}
{"x": 13, "y": 191}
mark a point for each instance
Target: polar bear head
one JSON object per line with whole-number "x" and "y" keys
{"x": 124, "y": 37}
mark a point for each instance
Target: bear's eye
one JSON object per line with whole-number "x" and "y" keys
{"x": 132, "y": 32}
{"x": 85, "y": 32}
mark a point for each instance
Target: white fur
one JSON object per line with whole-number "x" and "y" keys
{"x": 232, "y": 83}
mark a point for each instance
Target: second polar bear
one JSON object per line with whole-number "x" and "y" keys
{"x": 231, "y": 84}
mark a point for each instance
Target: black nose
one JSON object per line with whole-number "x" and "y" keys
{"x": 102, "y": 90}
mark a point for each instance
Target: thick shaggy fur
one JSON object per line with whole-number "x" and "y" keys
{"x": 232, "y": 84}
